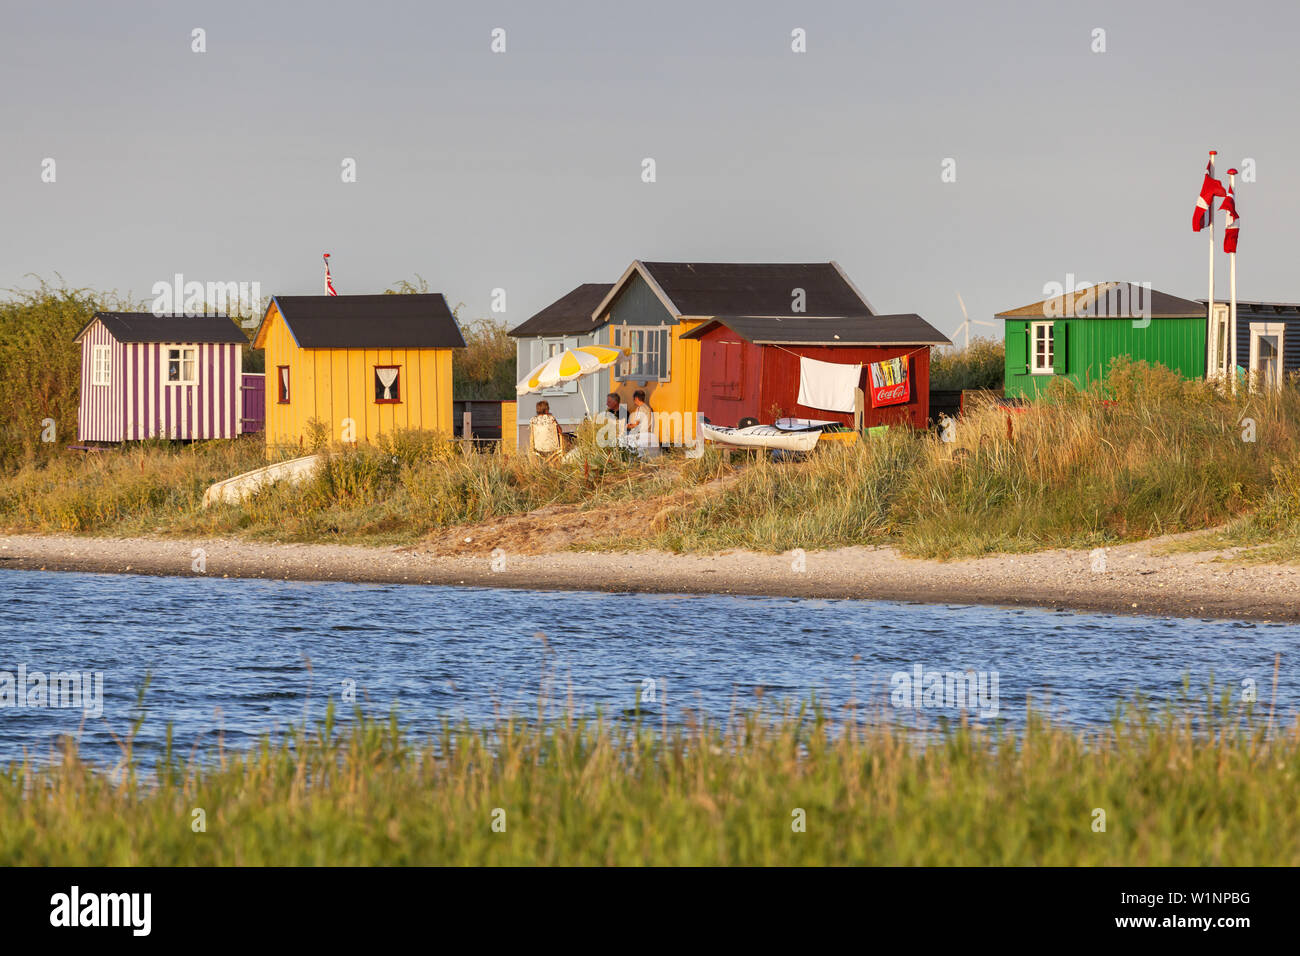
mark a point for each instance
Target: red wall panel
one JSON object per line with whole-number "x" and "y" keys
{"x": 767, "y": 386}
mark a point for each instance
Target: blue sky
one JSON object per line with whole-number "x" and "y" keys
{"x": 522, "y": 170}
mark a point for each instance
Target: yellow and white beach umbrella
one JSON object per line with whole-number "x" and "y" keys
{"x": 568, "y": 365}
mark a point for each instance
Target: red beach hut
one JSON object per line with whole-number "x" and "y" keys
{"x": 750, "y": 365}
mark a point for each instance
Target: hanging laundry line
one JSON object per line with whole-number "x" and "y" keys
{"x": 904, "y": 355}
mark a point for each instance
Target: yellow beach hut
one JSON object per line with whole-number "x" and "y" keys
{"x": 352, "y": 367}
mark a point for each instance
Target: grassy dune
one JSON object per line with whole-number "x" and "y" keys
{"x": 1205, "y": 786}
{"x": 1149, "y": 454}
{"x": 396, "y": 491}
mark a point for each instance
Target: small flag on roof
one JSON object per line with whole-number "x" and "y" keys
{"x": 329, "y": 280}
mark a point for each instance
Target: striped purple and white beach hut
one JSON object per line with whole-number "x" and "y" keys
{"x": 159, "y": 376}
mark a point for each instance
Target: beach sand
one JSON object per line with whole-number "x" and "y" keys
{"x": 1137, "y": 579}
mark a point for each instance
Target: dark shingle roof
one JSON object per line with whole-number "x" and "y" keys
{"x": 567, "y": 315}
{"x": 179, "y": 329}
{"x": 420, "y": 321}
{"x": 905, "y": 329}
{"x": 1110, "y": 300}
{"x": 1262, "y": 310}
{"x": 756, "y": 288}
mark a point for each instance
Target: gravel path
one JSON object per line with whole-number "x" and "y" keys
{"x": 1135, "y": 579}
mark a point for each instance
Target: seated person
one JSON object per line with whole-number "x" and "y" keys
{"x": 640, "y": 419}
{"x": 640, "y": 425}
{"x": 613, "y": 408}
{"x": 545, "y": 439}
{"x": 610, "y": 422}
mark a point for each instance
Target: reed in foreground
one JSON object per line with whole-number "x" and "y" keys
{"x": 1200, "y": 788}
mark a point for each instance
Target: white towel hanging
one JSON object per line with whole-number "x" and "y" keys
{"x": 828, "y": 385}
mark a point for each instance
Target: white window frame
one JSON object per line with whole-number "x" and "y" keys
{"x": 101, "y": 365}
{"x": 550, "y": 348}
{"x": 1218, "y": 348}
{"x": 1034, "y": 367}
{"x": 190, "y": 351}
{"x": 652, "y": 346}
{"x": 1257, "y": 331}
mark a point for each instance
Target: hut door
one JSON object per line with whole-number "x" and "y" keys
{"x": 726, "y": 370}
{"x": 1266, "y": 354}
{"x": 721, "y": 381}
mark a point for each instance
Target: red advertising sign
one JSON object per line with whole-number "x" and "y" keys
{"x": 889, "y": 383}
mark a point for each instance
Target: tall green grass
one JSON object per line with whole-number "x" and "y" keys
{"x": 1146, "y": 453}
{"x": 397, "y": 490}
{"x": 1202, "y": 786}
{"x": 40, "y": 367}
{"x": 979, "y": 365}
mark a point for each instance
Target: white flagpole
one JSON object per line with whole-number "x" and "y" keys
{"x": 1212, "y": 326}
{"x": 1232, "y": 285}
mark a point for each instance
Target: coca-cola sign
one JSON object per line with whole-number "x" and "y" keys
{"x": 889, "y": 382}
{"x": 889, "y": 395}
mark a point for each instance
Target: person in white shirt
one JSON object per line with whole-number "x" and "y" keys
{"x": 640, "y": 427}
{"x": 639, "y": 421}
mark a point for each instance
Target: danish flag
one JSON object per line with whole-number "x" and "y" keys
{"x": 329, "y": 281}
{"x": 1210, "y": 188}
{"x": 1229, "y": 206}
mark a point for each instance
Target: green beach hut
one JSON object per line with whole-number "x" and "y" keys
{"x": 1075, "y": 335}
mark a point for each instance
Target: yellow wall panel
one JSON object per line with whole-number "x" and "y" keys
{"x": 429, "y": 388}
{"x": 510, "y": 428}
{"x": 444, "y": 396}
{"x": 361, "y": 393}
{"x": 353, "y": 389}
{"x": 339, "y": 380}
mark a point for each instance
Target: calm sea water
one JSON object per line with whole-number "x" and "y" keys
{"x": 232, "y": 654}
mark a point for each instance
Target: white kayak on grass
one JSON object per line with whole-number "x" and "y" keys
{"x": 801, "y": 424}
{"x": 761, "y": 436}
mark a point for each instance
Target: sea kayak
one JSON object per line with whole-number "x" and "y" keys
{"x": 761, "y": 436}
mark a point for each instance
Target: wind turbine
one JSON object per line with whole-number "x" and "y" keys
{"x": 967, "y": 323}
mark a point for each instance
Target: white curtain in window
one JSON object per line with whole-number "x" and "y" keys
{"x": 387, "y": 376}
{"x": 284, "y": 377}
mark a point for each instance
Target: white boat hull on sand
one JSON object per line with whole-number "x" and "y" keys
{"x": 233, "y": 490}
{"x": 762, "y": 436}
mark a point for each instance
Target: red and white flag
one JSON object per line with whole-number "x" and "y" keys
{"x": 1210, "y": 188}
{"x": 1229, "y": 207}
{"x": 329, "y": 280}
